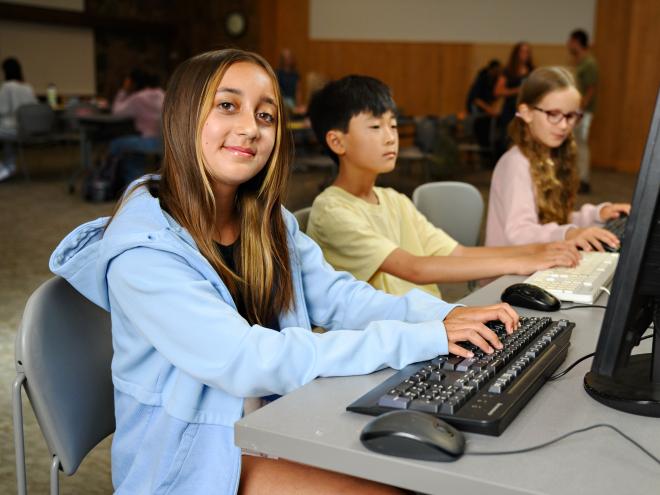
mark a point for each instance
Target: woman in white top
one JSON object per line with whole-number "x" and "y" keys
{"x": 14, "y": 92}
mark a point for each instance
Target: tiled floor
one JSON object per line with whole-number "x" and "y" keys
{"x": 35, "y": 215}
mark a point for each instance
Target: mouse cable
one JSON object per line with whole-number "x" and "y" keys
{"x": 578, "y": 361}
{"x": 566, "y": 435}
{"x": 578, "y": 306}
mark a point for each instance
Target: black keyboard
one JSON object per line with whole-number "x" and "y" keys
{"x": 617, "y": 226}
{"x": 482, "y": 394}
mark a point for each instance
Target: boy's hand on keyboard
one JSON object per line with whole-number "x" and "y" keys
{"x": 467, "y": 324}
{"x": 615, "y": 210}
{"x": 568, "y": 248}
{"x": 549, "y": 258}
{"x": 592, "y": 238}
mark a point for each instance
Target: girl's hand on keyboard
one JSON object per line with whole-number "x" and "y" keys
{"x": 592, "y": 238}
{"x": 614, "y": 210}
{"x": 467, "y": 324}
{"x": 459, "y": 330}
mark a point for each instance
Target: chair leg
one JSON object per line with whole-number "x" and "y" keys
{"x": 55, "y": 476}
{"x": 21, "y": 160}
{"x": 19, "y": 439}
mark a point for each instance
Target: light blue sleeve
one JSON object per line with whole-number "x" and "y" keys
{"x": 336, "y": 300}
{"x": 160, "y": 296}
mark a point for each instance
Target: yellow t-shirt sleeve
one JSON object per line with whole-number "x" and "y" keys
{"x": 348, "y": 241}
{"x": 435, "y": 241}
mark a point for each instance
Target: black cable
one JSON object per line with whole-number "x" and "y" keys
{"x": 566, "y": 435}
{"x": 579, "y": 360}
{"x": 577, "y": 306}
{"x": 556, "y": 376}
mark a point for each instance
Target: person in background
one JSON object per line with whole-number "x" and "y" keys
{"x": 519, "y": 66}
{"x": 482, "y": 105}
{"x": 288, "y": 79}
{"x": 586, "y": 75}
{"x": 141, "y": 98}
{"x": 481, "y": 97}
{"x": 14, "y": 92}
{"x": 213, "y": 291}
{"x": 534, "y": 186}
{"x": 376, "y": 233}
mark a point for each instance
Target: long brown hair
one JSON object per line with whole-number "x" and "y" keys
{"x": 263, "y": 274}
{"x": 514, "y": 63}
{"x": 553, "y": 170}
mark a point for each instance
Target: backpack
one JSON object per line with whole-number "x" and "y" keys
{"x": 102, "y": 183}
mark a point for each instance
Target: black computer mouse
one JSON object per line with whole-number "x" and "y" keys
{"x": 413, "y": 434}
{"x": 531, "y": 297}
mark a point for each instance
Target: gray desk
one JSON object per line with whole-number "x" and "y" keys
{"x": 311, "y": 426}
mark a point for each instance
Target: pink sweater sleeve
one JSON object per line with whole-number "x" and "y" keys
{"x": 123, "y": 104}
{"x": 512, "y": 212}
{"x": 588, "y": 215}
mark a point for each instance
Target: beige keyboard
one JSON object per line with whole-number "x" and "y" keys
{"x": 582, "y": 284}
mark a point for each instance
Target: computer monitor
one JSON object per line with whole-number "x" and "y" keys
{"x": 618, "y": 379}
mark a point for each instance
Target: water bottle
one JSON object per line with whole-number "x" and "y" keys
{"x": 51, "y": 95}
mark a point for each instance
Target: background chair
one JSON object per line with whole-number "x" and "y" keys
{"x": 302, "y": 216}
{"x": 36, "y": 127}
{"x": 477, "y": 139}
{"x": 435, "y": 146}
{"x": 455, "y": 207}
{"x": 63, "y": 354}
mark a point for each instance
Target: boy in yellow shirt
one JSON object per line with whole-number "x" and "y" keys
{"x": 376, "y": 233}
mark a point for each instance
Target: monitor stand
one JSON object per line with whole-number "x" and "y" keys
{"x": 632, "y": 389}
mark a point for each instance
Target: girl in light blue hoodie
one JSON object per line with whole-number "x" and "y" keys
{"x": 213, "y": 292}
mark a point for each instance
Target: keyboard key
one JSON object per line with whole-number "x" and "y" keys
{"x": 430, "y": 406}
{"x": 496, "y": 388}
{"x": 450, "y": 407}
{"x": 394, "y": 401}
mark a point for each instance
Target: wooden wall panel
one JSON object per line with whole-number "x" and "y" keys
{"x": 628, "y": 50}
{"x": 643, "y": 79}
{"x": 613, "y": 32}
{"x": 425, "y": 77}
{"x": 434, "y": 77}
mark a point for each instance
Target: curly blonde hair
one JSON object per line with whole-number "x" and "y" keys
{"x": 553, "y": 170}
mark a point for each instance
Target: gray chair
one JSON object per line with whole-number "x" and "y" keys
{"x": 302, "y": 216}
{"x": 36, "y": 127}
{"x": 63, "y": 354}
{"x": 455, "y": 207}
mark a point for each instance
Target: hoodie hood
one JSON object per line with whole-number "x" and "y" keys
{"x": 84, "y": 255}
{"x": 76, "y": 257}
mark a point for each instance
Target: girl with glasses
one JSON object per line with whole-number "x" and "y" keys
{"x": 534, "y": 186}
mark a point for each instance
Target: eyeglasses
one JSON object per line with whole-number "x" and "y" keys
{"x": 556, "y": 116}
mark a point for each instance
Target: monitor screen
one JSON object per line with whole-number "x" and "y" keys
{"x": 619, "y": 379}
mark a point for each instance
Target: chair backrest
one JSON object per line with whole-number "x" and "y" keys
{"x": 302, "y": 216}
{"x": 455, "y": 207}
{"x": 64, "y": 347}
{"x": 35, "y": 119}
{"x": 73, "y": 112}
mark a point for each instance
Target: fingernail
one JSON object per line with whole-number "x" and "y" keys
{"x": 470, "y": 354}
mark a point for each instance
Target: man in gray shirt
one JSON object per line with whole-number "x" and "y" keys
{"x": 586, "y": 75}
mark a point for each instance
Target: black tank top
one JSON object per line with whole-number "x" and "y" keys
{"x": 227, "y": 254}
